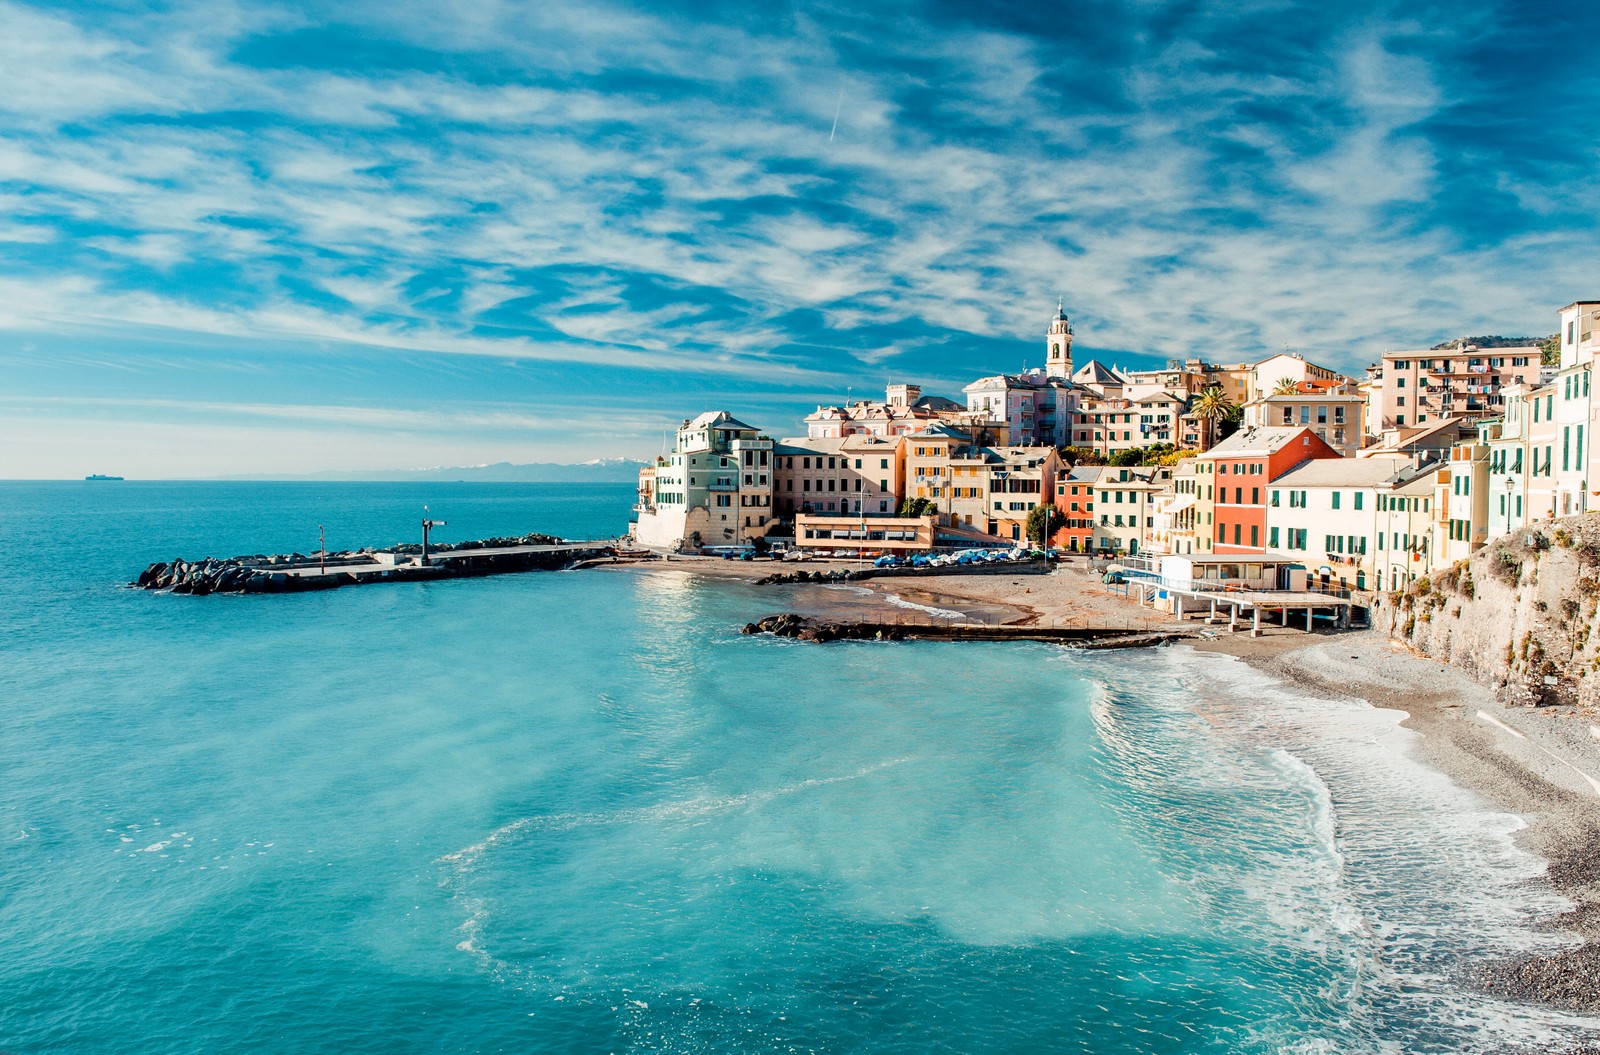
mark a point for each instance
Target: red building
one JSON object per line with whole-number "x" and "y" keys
{"x": 1246, "y": 464}
{"x": 1072, "y": 527}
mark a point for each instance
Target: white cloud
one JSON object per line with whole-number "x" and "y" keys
{"x": 962, "y": 191}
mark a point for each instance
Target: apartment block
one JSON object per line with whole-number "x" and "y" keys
{"x": 1418, "y": 387}
{"x": 858, "y": 475}
{"x": 1336, "y": 413}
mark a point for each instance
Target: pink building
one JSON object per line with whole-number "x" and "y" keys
{"x": 1422, "y": 387}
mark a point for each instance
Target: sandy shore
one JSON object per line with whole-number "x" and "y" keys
{"x": 1542, "y": 764}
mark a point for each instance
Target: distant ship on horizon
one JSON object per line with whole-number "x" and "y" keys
{"x": 97, "y": 476}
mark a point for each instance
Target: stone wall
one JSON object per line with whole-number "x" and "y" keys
{"x": 1518, "y": 616}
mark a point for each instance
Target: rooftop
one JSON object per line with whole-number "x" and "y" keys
{"x": 1258, "y": 441}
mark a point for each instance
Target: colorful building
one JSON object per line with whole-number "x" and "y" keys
{"x": 1245, "y": 464}
{"x": 714, "y": 489}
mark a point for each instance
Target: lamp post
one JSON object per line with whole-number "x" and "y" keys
{"x": 427, "y": 525}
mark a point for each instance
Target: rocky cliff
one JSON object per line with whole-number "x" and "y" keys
{"x": 1519, "y": 616}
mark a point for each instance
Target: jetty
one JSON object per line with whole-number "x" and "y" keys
{"x": 298, "y": 572}
{"x": 1085, "y": 635}
{"x": 1031, "y": 566}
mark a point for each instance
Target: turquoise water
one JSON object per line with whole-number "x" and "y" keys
{"x": 577, "y": 812}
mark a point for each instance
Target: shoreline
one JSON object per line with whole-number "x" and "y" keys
{"x": 1538, "y": 764}
{"x": 1542, "y": 765}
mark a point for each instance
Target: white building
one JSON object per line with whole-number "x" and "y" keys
{"x": 714, "y": 489}
{"x": 1327, "y": 513}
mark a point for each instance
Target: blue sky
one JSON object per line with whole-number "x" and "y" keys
{"x": 280, "y": 238}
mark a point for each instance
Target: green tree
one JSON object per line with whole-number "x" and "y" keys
{"x": 1082, "y": 456}
{"x": 1040, "y": 519}
{"x": 1550, "y": 350}
{"x": 1286, "y": 386}
{"x": 918, "y": 507}
{"x": 1213, "y": 407}
{"x": 1172, "y": 458}
{"x": 1127, "y": 456}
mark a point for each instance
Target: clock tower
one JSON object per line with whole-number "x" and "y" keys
{"x": 1058, "y": 346}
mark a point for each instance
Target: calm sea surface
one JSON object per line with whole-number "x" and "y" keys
{"x": 578, "y": 812}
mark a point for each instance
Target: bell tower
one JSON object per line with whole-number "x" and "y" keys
{"x": 1058, "y": 345}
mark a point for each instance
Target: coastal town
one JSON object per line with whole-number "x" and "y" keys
{"x": 1360, "y": 484}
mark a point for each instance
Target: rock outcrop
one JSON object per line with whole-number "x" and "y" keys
{"x": 802, "y": 629}
{"x": 1518, "y": 616}
{"x": 836, "y": 575}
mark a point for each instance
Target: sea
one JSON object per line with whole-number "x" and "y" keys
{"x": 579, "y": 812}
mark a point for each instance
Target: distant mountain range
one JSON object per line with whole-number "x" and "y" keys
{"x": 600, "y": 471}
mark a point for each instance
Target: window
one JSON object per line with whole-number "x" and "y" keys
{"x": 1274, "y": 503}
{"x": 1336, "y": 499}
{"x": 1272, "y": 537}
{"x": 1255, "y": 496}
{"x": 1357, "y": 501}
{"x": 1255, "y": 535}
{"x": 1236, "y": 534}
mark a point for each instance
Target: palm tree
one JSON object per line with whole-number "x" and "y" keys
{"x": 1286, "y": 386}
{"x": 1212, "y": 406}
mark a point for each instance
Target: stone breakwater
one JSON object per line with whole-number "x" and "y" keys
{"x": 299, "y": 572}
{"x": 802, "y": 629}
{"x": 1021, "y": 567}
{"x": 821, "y": 631}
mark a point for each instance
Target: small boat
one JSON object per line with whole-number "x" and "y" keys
{"x": 97, "y": 476}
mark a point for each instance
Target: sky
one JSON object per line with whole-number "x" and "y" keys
{"x": 241, "y": 238}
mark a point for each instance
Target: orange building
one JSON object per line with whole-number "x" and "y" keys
{"x": 1246, "y": 463}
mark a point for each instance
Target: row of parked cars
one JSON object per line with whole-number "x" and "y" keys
{"x": 965, "y": 558}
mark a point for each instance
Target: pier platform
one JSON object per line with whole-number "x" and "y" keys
{"x": 1233, "y": 605}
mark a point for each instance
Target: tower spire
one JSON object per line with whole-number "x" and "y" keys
{"x": 1058, "y": 343}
